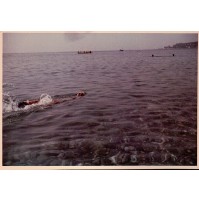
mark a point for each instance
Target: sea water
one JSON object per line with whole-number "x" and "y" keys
{"x": 138, "y": 110}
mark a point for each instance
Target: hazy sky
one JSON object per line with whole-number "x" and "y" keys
{"x": 59, "y": 42}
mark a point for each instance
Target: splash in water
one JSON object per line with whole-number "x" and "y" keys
{"x": 10, "y": 103}
{"x": 45, "y": 99}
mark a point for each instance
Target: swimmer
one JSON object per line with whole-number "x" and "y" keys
{"x": 55, "y": 101}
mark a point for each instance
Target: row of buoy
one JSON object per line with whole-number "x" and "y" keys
{"x": 173, "y": 55}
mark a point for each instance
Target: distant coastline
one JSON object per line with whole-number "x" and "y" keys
{"x": 183, "y": 46}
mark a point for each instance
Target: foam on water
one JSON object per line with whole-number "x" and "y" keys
{"x": 9, "y": 103}
{"x": 45, "y": 99}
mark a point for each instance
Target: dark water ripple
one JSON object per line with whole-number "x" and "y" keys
{"x": 138, "y": 110}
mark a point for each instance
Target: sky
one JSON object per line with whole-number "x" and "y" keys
{"x": 61, "y": 42}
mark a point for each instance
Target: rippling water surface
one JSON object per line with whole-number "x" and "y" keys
{"x": 139, "y": 110}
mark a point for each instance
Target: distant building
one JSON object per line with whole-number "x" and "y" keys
{"x": 167, "y": 47}
{"x": 183, "y": 45}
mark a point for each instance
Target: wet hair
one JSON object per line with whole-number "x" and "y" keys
{"x": 22, "y": 104}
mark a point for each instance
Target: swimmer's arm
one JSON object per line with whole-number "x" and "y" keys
{"x": 56, "y": 101}
{"x": 30, "y": 102}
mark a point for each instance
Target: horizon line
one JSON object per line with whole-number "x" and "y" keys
{"x": 82, "y": 50}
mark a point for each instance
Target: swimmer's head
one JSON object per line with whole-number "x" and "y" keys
{"x": 81, "y": 93}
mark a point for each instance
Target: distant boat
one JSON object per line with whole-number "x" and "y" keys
{"x": 121, "y": 50}
{"x": 84, "y": 52}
